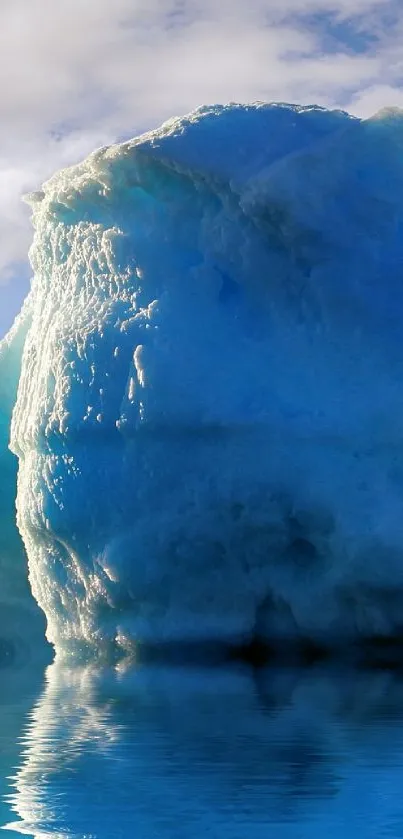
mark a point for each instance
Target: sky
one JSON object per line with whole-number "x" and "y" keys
{"x": 77, "y": 74}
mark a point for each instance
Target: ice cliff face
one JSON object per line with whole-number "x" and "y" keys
{"x": 209, "y": 414}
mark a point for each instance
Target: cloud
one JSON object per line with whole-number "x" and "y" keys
{"x": 373, "y": 98}
{"x": 75, "y": 74}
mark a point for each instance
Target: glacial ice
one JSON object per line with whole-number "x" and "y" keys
{"x": 209, "y": 412}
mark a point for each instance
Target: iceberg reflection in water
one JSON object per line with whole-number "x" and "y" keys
{"x": 170, "y": 752}
{"x": 21, "y": 683}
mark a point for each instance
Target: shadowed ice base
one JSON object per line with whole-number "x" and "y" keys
{"x": 226, "y": 753}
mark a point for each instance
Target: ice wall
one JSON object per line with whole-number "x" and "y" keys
{"x": 209, "y": 413}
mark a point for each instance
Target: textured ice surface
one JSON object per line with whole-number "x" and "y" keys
{"x": 209, "y": 415}
{"x": 21, "y": 622}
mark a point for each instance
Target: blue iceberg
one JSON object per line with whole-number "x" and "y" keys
{"x": 22, "y": 625}
{"x": 209, "y": 411}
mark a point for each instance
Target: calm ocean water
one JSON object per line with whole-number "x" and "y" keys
{"x": 230, "y": 753}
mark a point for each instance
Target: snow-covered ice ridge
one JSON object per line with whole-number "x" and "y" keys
{"x": 209, "y": 420}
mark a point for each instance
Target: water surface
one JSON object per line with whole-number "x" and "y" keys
{"x": 232, "y": 753}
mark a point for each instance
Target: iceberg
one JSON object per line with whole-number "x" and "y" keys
{"x": 22, "y": 625}
{"x": 209, "y": 411}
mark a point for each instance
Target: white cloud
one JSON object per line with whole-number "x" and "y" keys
{"x": 93, "y": 70}
{"x": 372, "y": 99}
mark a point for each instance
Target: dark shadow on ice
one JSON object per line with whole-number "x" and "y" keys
{"x": 373, "y": 653}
